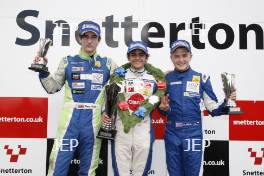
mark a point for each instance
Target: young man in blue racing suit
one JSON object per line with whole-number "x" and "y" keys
{"x": 84, "y": 76}
{"x": 186, "y": 88}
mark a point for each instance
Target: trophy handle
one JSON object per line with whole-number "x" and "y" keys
{"x": 45, "y": 47}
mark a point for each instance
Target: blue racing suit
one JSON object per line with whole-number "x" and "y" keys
{"x": 84, "y": 78}
{"x": 183, "y": 133}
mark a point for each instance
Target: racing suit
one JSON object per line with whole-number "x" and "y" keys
{"x": 84, "y": 78}
{"x": 183, "y": 133}
{"x": 132, "y": 151}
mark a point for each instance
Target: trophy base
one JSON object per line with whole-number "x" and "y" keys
{"x": 103, "y": 134}
{"x": 235, "y": 110}
{"x": 39, "y": 68}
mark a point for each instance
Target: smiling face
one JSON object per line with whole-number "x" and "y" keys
{"x": 137, "y": 59}
{"x": 89, "y": 42}
{"x": 181, "y": 58}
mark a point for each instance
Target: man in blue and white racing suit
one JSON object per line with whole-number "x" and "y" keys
{"x": 84, "y": 76}
{"x": 186, "y": 88}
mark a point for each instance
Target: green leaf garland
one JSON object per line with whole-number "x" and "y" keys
{"x": 130, "y": 120}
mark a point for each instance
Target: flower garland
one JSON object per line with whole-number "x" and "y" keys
{"x": 130, "y": 120}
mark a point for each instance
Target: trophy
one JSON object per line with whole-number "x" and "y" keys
{"x": 39, "y": 64}
{"x": 229, "y": 86}
{"x": 108, "y": 131}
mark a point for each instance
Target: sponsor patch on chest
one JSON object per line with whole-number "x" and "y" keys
{"x": 134, "y": 85}
{"x": 195, "y": 78}
{"x": 85, "y": 76}
{"x": 77, "y": 69}
{"x": 135, "y": 101}
{"x": 78, "y": 91}
{"x": 191, "y": 94}
{"x": 192, "y": 86}
{"x": 97, "y": 78}
{"x": 96, "y": 87}
{"x": 144, "y": 87}
{"x": 78, "y": 85}
{"x": 75, "y": 76}
{"x": 175, "y": 83}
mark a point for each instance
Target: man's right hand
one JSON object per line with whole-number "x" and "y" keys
{"x": 105, "y": 119}
{"x": 164, "y": 103}
{"x": 40, "y": 60}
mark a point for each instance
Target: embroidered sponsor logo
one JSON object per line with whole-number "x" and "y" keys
{"x": 196, "y": 78}
{"x": 135, "y": 101}
{"x": 77, "y": 69}
{"x": 91, "y": 26}
{"x": 97, "y": 78}
{"x": 75, "y": 76}
{"x": 78, "y": 85}
{"x": 192, "y": 86}
{"x": 85, "y": 76}
{"x": 96, "y": 87}
{"x": 176, "y": 83}
{"x": 74, "y": 91}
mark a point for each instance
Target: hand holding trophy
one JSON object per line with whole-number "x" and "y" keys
{"x": 108, "y": 130}
{"x": 229, "y": 87}
{"x": 40, "y": 62}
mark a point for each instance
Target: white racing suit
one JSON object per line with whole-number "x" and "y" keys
{"x": 132, "y": 151}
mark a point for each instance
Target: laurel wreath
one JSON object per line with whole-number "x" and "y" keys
{"x": 129, "y": 120}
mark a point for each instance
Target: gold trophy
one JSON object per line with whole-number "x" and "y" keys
{"x": 39, "y": 65}
{"x": 229, "y": 87}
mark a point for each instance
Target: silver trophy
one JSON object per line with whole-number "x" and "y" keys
{"x": 39, "y": 65}
{"x": 229, "y": 87}
{"x": 108, "y": 131}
